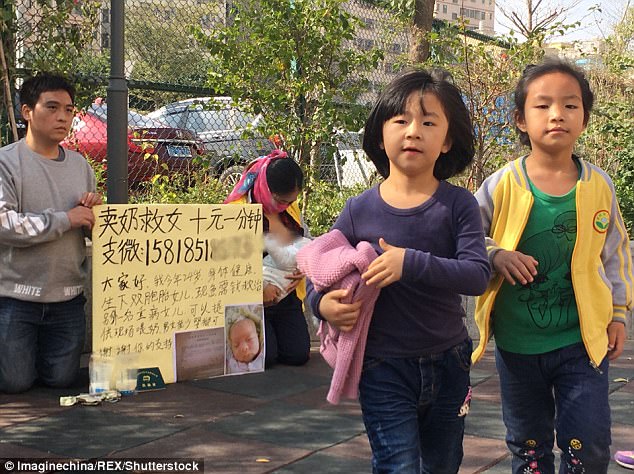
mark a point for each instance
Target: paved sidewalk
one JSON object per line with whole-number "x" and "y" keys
{"x": 277, "y": 421}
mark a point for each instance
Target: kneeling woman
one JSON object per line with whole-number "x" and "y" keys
{"x": 275, "y": 181}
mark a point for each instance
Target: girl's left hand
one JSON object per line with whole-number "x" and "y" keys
{"x": 616, "y": 339}
{"x": 296, "y": 277}
{"x": 387, "y": 268}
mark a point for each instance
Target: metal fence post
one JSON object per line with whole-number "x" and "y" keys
{"x": 117, "y": 100}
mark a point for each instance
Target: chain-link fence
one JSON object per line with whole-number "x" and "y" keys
{"x": 176, "y": 122}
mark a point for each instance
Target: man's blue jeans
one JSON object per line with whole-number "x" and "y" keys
{"x": 40, "y": 340}
{"x": 412, "y": 410}
{"x": 556, "y": 391}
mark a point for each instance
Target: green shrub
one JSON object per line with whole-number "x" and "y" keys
{"x": 325, "y": 203}
{"x": 192, "y": 188}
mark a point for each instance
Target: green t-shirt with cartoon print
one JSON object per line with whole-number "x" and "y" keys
{"x": 542, "y": 316}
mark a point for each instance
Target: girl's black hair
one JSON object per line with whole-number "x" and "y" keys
{"x": 33, "y": 87}
{"x": 392, "y": 102}
{"x": 283, "y": 175}
{"x": 549, "y": 66}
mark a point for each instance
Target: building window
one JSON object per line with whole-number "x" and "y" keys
{"x": 396, "y": 48}
{"x": 475, "y": 14}
{"x": 364, "y": 44}
{"x": 454, "y": 16}
{"x": 444, "y": 8}
{"x": 105, "y": 40}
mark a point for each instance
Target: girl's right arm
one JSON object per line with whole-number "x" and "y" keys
{"x": 329, "y": 306}
{"x": 342, "y": 315}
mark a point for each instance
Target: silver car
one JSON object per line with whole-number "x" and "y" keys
{"x": 229, "y": 134}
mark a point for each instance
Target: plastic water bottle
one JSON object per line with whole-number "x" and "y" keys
{"x": 100, "y": 370}
{"x": 125, "y": 373}
{"x": 125, "y": 381}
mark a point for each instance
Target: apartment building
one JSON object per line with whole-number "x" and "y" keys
{"x": 381, "y": 29}
{"x": 582, "y": 52}
{"x": 479, "y": 15}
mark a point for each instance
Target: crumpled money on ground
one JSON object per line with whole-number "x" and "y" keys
{"x": 111, "y": 396}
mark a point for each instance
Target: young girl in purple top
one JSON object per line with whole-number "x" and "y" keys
{"x": 415, "y": 387}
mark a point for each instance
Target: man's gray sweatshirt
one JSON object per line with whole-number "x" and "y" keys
{"x": 41, "y": 258}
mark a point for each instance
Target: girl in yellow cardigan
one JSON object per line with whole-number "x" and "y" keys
{"x": 556, "y": 239}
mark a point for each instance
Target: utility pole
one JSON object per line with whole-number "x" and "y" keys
{"x": 117, "y": 103}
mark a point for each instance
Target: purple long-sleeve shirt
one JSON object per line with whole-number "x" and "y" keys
{"x": 445, "y": 257}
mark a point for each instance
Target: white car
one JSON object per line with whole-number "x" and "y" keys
{"x": 346, "y": 164}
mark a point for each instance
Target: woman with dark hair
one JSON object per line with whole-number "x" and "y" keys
{"x": 275, "y": 181}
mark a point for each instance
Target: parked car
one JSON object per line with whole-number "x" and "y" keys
{"x": 153, "y": 147}
{"x": 345, "y": 163}
{"x": 228, "y": 133}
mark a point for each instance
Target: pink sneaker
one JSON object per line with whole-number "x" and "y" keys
{"x": 625, "y": 459}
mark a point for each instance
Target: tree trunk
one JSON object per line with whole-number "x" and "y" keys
{"x": 311, "y": 172}
{"x": 8, "y": 91}
{"x": 423, "y": 18}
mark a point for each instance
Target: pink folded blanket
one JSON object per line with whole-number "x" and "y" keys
{"x": 330, "y": 262}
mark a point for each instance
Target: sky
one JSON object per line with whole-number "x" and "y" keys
{"x": 593, "y": 23}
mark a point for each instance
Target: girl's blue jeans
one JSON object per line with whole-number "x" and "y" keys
{"x": 40, "y": 341}
{"x": 560, "y": 392}
{"x": 412, "y": 410}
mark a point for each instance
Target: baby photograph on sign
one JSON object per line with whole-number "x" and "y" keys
{"x": 244, "y": 338}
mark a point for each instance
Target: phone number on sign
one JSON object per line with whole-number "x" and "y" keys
{"x": 179, "y": 250}
{"x": 188, "y": 250}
